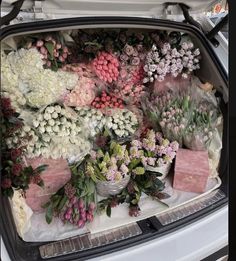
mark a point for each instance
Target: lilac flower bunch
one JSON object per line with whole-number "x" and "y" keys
{"x": 153, "y": 149}
{"x": 168, "y": 60}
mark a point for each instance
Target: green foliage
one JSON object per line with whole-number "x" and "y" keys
{"x": 147, "y": 183}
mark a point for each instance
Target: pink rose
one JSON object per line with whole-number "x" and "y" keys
{"x": 128, "y": 49}
{"x": 135, "y": 61}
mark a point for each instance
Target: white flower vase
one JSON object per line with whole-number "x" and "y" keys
{"x": 111, "y": 188}
{"x": 164, "y": 170}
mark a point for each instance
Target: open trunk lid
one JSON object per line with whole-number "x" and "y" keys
{"x": 40, "y": 9}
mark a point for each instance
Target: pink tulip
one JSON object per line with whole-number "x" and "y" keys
{"x": 80, "y": 223}
{"x": 92, "y": 205}
{"x": 43, "y": 50}
{"x": 81, "y": 203}
{"x": 89, "y": 217}
{"x": 56, "y": 54}
{"x": 65, "y": 50}
{"x": 73, "y": 200}
{"x": 64, "y": 55}
{"x": 39, "y": 43}
{"x": 49, "y": 63}
{"x": 62, "y": 59}
{"x": 67, "y": 216}
{"x": 58, "y": 46}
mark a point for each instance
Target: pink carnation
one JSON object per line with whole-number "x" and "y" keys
{"x": 106, "y": 67}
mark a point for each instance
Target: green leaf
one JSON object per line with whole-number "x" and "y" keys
{"x": 108, "y": 210}
{"x": 49, "y": 214}
{"x": 46, "y": 204}
{"x": 148, "y": 184}
{"x": 41, "y": 184}
{"x": 50, "y": 47}
{"x": 139, "y": 171}
{"x": 163, "y": 195}
{"x": 40, "y": 168}
{"x": 134, "y": 163}
{"x": 10, "y": 163}
{"x": 158, "y": 174}
{"x": 9, "y": 192}
{"x": 62, "y": 202}
{"x": 134, "y": 201}
{"x": 91, "y": 186}
{"x": 100, "y": 153}
{"x": 106, "y": 158}
{"x": 56, "y": 201}
{"x": 136, "y": 187}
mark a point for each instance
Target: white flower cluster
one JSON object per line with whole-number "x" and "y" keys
{"x": 92, "y": 118}
{"x": 122, "y": 122}
{"x": 25, "y": 137}
{"x": 55, "y": 133}
{"x": 23, "y": 72}
{"x": 160, "y": 62}
{"x": 9, "y": 84}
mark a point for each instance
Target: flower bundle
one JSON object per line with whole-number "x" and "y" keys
{"x": 122, "y": 122}
{"x": 83, "y": 94}
{"x": 54, "y": 53}
{"x": 146, "y": 183}
{"x": 94, "y": 119}
{"x": 14, "y": 173}
{"x": 174, "y": 119}
{"x": 162, "y": 61}
{"x": 132, "y": 55}
{"x": 75, "y": 202}
{"x": 106, "y": 67}
{"x": 39, "y": 86}
{"x": 201, "y": 127}
{"x": 129, "y": 86}
{"x": 112, "y": 164}
{"x": 56, "y": 132}
{"x": 105, "y": 100}
{"x": 153, "y": 149}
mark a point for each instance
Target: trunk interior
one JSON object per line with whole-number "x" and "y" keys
{"x": 113, "y": 238}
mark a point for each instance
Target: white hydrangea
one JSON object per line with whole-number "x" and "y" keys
{"x": 22, "y": 73}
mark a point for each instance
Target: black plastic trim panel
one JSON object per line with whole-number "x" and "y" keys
{"x": 22, "y": 251}
{"x": 219, "y": 254}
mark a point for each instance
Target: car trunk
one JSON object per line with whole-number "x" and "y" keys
{"x": 108, "y": 240}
